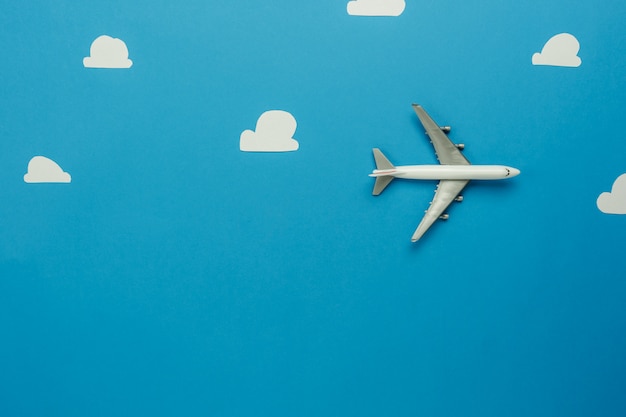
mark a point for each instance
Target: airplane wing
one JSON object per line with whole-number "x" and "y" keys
{"x": 446, "y": 152}
{"x": 446, "y": 192}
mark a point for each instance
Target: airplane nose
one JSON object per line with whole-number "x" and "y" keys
{"x": 513, "y": 172}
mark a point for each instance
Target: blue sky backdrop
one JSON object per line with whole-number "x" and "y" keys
{"x": 177, "y": 275}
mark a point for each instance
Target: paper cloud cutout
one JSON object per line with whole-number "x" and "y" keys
{"x": 274, "y": 131}
{"x": 615, "y": 201}
{"x": 376, "y": 7}
{"x": 560, "y": 51}
{"x": 42, "y": 169}
{"x": 107, "y": 52}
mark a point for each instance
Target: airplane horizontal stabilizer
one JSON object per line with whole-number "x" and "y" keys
{"x": 382, "y": 163}
{"x": 381, "y": 160}
{"x": 381, "y": 183}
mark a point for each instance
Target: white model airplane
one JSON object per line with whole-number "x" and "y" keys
{"x": 453, "y": 173}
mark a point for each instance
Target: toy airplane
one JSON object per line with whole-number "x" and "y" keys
{"x": 453, "y": 173}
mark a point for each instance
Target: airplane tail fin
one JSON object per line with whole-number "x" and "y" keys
{"x": 382, "y": 163}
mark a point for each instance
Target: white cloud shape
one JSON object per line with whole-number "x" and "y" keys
{"x": 376, "y": 7}
{"x": 560, "y": 51}
{"x": 274, "y": 131}
{"x": 107, "y": 52}
{"x": 615, "y": 201}
{"x": 42, "y": 169}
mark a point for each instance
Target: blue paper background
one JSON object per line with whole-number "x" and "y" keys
{"x": 177, "y": 275}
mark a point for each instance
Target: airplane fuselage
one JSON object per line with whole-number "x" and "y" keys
{"x": 448, "y": 172}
